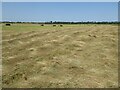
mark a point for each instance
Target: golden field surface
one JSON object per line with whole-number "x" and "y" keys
{"x": 72, "y": 56}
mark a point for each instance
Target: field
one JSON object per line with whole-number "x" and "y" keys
{"x": 72, "y": 56}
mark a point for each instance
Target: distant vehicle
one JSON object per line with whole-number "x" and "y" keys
{"x": 8, "y": 24}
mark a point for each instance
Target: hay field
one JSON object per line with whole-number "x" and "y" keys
{"x": 72, "y": 56}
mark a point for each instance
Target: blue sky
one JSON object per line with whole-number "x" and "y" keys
{"x": 60, "y": 11}
{"x": 60, "y": 0}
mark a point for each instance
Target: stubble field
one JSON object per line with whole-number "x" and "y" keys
{"x": 72, "y": 56}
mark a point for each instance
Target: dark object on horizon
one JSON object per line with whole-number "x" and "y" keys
{"x": 54, "y": 25}
{"x": 42, "y": 25}
{"x": 61, "y": 25}
{"x": 8, "y": 24}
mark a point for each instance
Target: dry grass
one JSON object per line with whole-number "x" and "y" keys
{"x": 80, "y": 56}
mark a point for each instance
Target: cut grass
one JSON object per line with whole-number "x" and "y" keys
{"x": 72, "y": 56}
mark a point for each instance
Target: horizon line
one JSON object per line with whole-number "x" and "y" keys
{"x": 58, "y": 21}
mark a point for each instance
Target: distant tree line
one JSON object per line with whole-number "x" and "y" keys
{"x": 63, "y": 22}
{"x": 82, "y": 22}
